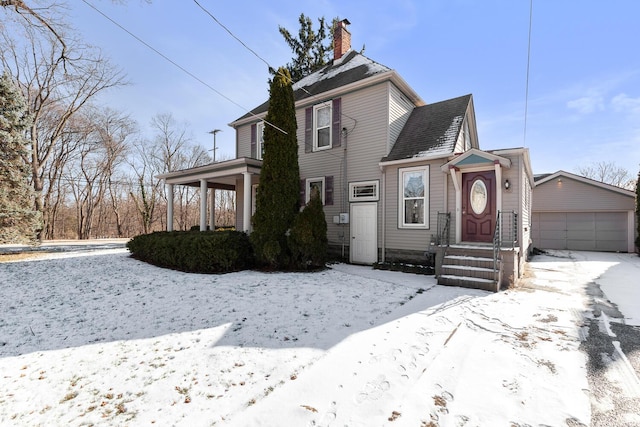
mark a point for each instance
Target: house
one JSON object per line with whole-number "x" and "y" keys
{"x": 400, "y": 179}
{"x": 576, "y": 213}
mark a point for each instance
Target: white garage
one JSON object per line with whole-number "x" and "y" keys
{"x": 576, "y": 213}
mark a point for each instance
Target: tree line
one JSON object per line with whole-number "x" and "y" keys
{"x": 90, "y": 173}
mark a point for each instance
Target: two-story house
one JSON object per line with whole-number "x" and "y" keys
{"x": 399, "y": 178}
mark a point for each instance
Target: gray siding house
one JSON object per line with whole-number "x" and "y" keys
{"x": 576, "y": 213}
{"x": 401, "y": 180}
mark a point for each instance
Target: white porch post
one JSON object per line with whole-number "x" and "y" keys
{"x": 212, "y": 210}
{"x": 498, "y": 169}
{"x": 246, "y": 207}
{"x": 170, "y": 207}
{"x": 456, "y": 177}
{"x": 203, "y": 205}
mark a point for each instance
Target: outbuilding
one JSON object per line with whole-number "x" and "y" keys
{"x": 576, "y": 213}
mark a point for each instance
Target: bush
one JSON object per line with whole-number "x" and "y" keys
{"x": 308, "y": 236}
{"x": 194, "y": 251}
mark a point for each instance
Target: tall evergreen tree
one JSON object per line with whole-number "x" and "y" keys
{"x": 311, "y": 49}
{"x": 19, "y": 222}
{"x": 277, "y": 198}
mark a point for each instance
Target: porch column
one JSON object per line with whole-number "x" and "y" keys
{"x": 498, "y": 169}
{"x": 212, "y": 210}
{"x": 456, "y": 177}
{"x": 246, "y": 207}
{"x": 203, "y": 205}
{"x": 170, "y": 207}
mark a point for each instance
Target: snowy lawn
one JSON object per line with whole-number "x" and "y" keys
{"x": 99, "y": 338}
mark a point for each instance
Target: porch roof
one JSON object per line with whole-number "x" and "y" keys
{"x": 221, "y": 175}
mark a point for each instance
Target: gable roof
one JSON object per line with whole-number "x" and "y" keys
{"x": 352, "y": 68}
{"x": 544, "y": 178}
{"x": 431, "y": 130}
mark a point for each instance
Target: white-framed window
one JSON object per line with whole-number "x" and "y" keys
{"x": 413, "y": 190}
{"x": 260, "y": 140}
{"x": 322, "y": 126}
{"x": 365, "y": 191}
{"x": 313, "y": 184}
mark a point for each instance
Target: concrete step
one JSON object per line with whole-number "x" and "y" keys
{"x": 469, "y": 282}
{"x": 471, "y": 261}
{"x": 470, "y": 271}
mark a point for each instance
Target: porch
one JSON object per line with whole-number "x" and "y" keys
{"x": 237, "y": 175}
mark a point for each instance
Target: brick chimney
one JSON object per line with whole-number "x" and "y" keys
{"x": 341, "y": 39}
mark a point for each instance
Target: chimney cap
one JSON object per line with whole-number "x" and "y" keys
{"x": 346, "y": 21}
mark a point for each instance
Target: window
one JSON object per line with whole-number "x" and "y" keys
{"x": 363, "y": 191}
{"x": 322, "y": 127}
{"x": 315, "y": 184}
{"x": 414, "y": 197}
{"x": 260, "y": 140}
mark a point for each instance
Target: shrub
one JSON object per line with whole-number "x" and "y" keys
{"x": 194, "y": 251}
{"x": 308, "y": 236}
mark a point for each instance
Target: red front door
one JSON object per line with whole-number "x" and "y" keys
{"x": 478, "y": 206}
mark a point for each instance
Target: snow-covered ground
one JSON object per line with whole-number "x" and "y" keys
{"x": 98, "y": 338}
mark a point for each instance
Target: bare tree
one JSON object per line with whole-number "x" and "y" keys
{"x": 608, "y": 173}
{"x": 57, "y": 86}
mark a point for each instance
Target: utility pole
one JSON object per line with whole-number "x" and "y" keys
{"x": 214, "y": 132}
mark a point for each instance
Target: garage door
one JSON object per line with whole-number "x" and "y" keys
{"x": 580, "y": 231}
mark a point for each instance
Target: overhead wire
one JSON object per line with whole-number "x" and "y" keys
{"x": 166, "y": 58}
{"x": 275, "y": 71}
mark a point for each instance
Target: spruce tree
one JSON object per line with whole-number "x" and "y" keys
{"x": 311, "y": 49}
{"x": 19, "y": 221}
{"x": 277, "y": 198}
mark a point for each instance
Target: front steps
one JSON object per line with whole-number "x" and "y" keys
{"x": 470, "y": 266}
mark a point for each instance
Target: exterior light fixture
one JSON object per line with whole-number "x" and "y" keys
{"x": 507, "y": 184}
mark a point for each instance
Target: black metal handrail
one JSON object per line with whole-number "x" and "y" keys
{"x": 505, "y": 234}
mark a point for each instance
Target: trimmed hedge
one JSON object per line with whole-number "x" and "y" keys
{"x": 195, "y": 251}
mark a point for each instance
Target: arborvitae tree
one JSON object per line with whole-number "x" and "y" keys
{"x": 19, "y": 221}
{"x": 638, "y": 213}
{"x": 311, "y": 49}
{"x": 308, "y": 238}
{"x": 277, "y": 198}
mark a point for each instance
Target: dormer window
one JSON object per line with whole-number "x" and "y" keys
{"x": 322, "y": 127}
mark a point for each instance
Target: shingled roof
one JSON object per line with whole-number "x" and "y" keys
{"x": 431, "y": 130}
{"x": 351, "y": 68}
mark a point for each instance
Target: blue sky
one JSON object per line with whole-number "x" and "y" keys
{"x": 584, "y": 81}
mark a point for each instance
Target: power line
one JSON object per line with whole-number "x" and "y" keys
{"x": 217, "y": 21}
{"x": 173, "y": 62}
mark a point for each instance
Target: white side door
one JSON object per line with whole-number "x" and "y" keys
{"x": 364, "y": 233}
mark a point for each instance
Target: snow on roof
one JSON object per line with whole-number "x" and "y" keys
{"x": 446, "y": 142}
{"x": 357, "y": 60}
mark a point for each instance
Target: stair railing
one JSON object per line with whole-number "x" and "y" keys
{"x": 505, "y": 232}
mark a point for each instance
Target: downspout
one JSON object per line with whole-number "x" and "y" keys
{"x": 344, "y": 186}
{"x": 384, "y": 213}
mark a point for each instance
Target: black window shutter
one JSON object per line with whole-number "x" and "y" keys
{"x": 337, "y": 122}
{"x": 254, "y": 141}
{"x": 328, "y": 190}
{"x": 303, "y": 188}
{"x": 308, "y": 130}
